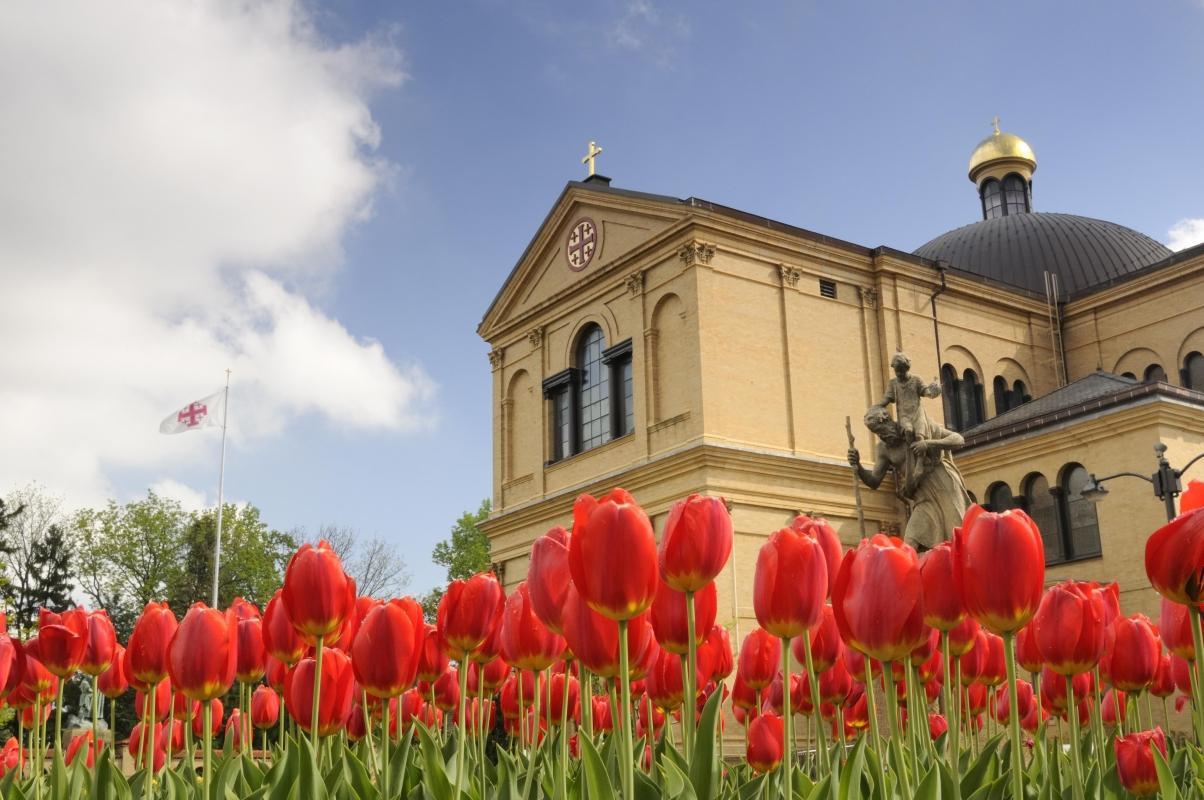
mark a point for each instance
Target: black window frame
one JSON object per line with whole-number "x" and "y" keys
{"x": 563, "y": 392}
{"x": 1192, "y": 361}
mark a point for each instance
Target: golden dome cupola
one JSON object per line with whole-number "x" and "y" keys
{"x": 1002, "y": 166}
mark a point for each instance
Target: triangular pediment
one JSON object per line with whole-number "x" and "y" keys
{"x": 587, "y": 231}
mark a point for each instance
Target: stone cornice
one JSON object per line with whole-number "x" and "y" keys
{"x": 1140, "y": 287}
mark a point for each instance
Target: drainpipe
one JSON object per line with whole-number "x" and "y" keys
{"x": 941, "y": 266}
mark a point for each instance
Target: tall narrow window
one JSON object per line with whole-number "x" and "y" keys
{"x": 992, "y": 200}
{"x": 970, "y": 400}
{"x": 950, "y": 387}
{"x": 593, "y": 394}
{"x": 1193, "y": 371}
{"x": 1079, "y": 520}
{"x": 1154, "y": 372}
{"x": 1015, "y": 195}
{"x": 1020, "y": 394}
{"x": 999, "y": 497}
{"x": 559, "y": 390}
{"x": 1041, "y": 505}
{"x": 617, "y": 360}
{"x": 1003, "y": 395}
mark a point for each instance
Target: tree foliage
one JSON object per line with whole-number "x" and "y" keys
{"x": 38, "y": 553}
{"x": 463, "y": 554}
{"x": 376, "y": 565}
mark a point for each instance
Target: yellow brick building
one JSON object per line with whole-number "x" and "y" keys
{"x": 673, "y": 346}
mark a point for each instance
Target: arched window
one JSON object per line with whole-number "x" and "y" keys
{"x": 1079, "y": 520}
{"x": 992, "y": 199}
{"x": 593, "y": 394}
{"x": 1008, "y": 398}
{"x": 1041, "y": 505}
{"x": 1128, "y": 375}
{"x": 1015, "y": 195}
{"x": 999, "y": 497}
{"x": 1193, "y": 371}
{"x": 1154, "y": 372}
{"x": 950, "y": 387}
{"x": 970, "y": 400}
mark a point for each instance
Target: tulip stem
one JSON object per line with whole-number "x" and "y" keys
{"x": 58, "y": 719}
{"x": 824, "y": 761}
{"x": 840, "y": 734}
{"x": 788, "y": 719}
{"x": 113, "y": 726}
{"x": 535, "y": 720}
{"x": 481, "y": 719}
{"x": 171, "y": 734}
{"x": 96, "y": 711}
{"x": 522, "y": 714}
{"x": 372, "y": 759}
{"x": 1040, "y": 735}
{"x": 564, "y": 735}
{"x": 587, "y": 702}
{"x": 317, "y": 698}
{"x": 280, "y": 715}
{"x": 1076, "y": 757}
{"x": 460, "y": 723}
{"x": 952, "y": 711}
{"x": 207, "y": 729}
{"x": 873, "y": 708}
{"x": 20, "y": 747}
{"x": 892, "y": 717}
{"x": 625, "y": 760}
{"x": 1197, "y": 685}
{"x": 384, "y": 747}
{"x": 1009, "y": 652}
{"x": 691, "y": 699}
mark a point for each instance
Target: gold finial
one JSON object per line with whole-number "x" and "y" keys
{"x": 591, "y": 156}
{"x": 995, "y": 122}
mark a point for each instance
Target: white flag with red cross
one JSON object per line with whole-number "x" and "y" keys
{"x": 203, "y": 413}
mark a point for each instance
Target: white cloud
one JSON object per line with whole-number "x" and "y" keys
{"x": 189, "y": 499}
{"x": 642, "y": 26}
{"x": 1185, "y": 233}
{"x": 177, "y": 178}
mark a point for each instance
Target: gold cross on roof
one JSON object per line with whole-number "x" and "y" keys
{"x": 591, "y": 156}
{"x": 995, "y": 122}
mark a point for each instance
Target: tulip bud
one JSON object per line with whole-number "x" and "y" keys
{"x": 789, "y": 584}
{"x": 317, "y": 592}
{"x": 696, "y": 544}
{"x": 62, "y": 640}
{"x": 765, "y": 743}
{"x": 147, "y": 648}
{"x": 999, "y": 567}
{"x": 102, "y": 644}
{"x": 527, "y": 642}
{"x": 335, "y": 694}
{"x": 203, "y": 653}
{"x": 384, "y": 655}
{"x": 1135, "y": 760}
{"x": 548, "y": 577}
{"x": 469, "y": 611}
{"x": 1173, "y": 555}
{"x": 612, "y": 555}
{"x": 1070, "y": 628}
{"x": 280, "y": 638}
{"x": 878, "y": 599}
{"x": 668, "y": 616}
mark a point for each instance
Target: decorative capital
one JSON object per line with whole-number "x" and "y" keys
{"x": 635, "y": 282}
{"x": 869, "y": 297}
{"x": 495, "y": 357}
{"x": 696, "y": 253}
{"x": 535, "y": 337}
{"x": 790, "y": 275}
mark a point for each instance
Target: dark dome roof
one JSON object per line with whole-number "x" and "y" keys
{"x": 1019, "y": 248}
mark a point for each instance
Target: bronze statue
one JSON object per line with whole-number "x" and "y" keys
{"x": 918, "y": 453}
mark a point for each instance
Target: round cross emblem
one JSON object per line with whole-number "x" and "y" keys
{"x": 583, "y": 241}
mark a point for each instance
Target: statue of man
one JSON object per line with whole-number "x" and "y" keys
{"x": 926, "y": 480}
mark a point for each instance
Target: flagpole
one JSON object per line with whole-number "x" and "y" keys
{"x": 221, "y": 485}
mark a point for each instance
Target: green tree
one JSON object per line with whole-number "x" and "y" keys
{"x": 463, "y": 554}
{"x": 38, "y": 554}
{"x": 253, "y": 558}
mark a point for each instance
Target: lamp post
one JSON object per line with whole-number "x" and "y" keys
{"x": 1165, "y": 481}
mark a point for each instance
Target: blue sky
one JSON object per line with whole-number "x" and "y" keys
{"x": 854, "y": 119}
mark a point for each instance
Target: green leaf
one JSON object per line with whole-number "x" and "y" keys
{"x": 434, "y": 772}
{"x": 645, "y": 787}
{"x": 677, "y": 782}
{"x": 597, "y": 781}
{"x": 704, "y": 761}
{"x": 850, "y": 776}
{"x": 1167, "y": 787}
{"x": 310, "y": 784}
{"x": 930, "y": 787}
{"x": 356, "y": 777}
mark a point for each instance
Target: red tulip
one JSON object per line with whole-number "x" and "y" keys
{"x": 432, "y": 661}
{"x": 86, "y": 742}
{"x": 447, "y": 690}
{"x": 1135, "y": 760}
{"x": 234, "y": 727}
{"x": 1025, "y": 701}
{"x": 800, "y": 694}
{"x": 387, "y": 646}
{"x": 1182, "y": 674}
{"x": 826, "y": 645}
{"x": 1136, "y": 653}
{"x": 789, "y": 584}
{"x": 216, "y": 712}
{"x": 183, "y": 707}
{"x": 528, "y": 642}
{"x": 112, "y": 682}
{"x": 11, "y": 755}
{"x": 317, "y": 592}
{"x": 275, "y": 674}
{"x": 62, "y": 640}
{"x": 280, "y": 638}
{"x": 1174, "y": 558}
{"x": 668, "y": 616}
{"x": 1070, "y": 628}
{"x": 1028, "y": 655}
{"x": 696, "y": 544}
{"x": 162, "y": 701}
{"x": 716, "y": 652}
{"x": 603, "y": 719}
{"x": 1164, "y": 681}
{"x": 351, "y": 624}
{"x": 1174, "y": 624}
{"x": 102, "y": 643}
{"x": 1054, "y": 696}
{"x": 664, "y": 683}
{"x": 765, "y": 742}
{"x": 1192, "y": 497}
{"x": 993, "y": 668}
{"x": 962, "y": 638}
{"x": 548, "y": 577}
{"x": 557, "y": 696}
{"x": 147, "y": 648}
{"x": 937, "y": 726}
{"x": 487, "y": 677}
{"x": 137, "y": 744}
{"x": 999, "y": 567}
{"x": 204, "y": 653}
{"x": 835, "y": 683}
{"x": 1114, "y": 705}
{"x": 594, "y": 639}
{"x": 252, "y": 657}
{"x": 469, "y": 612}
{"x": 612, "y": 555}
{"x": 760, "y": 658}
{"x": 943, "y": 607}
{"x": 878, "y": 599}
{"x": 335, "y": 693}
